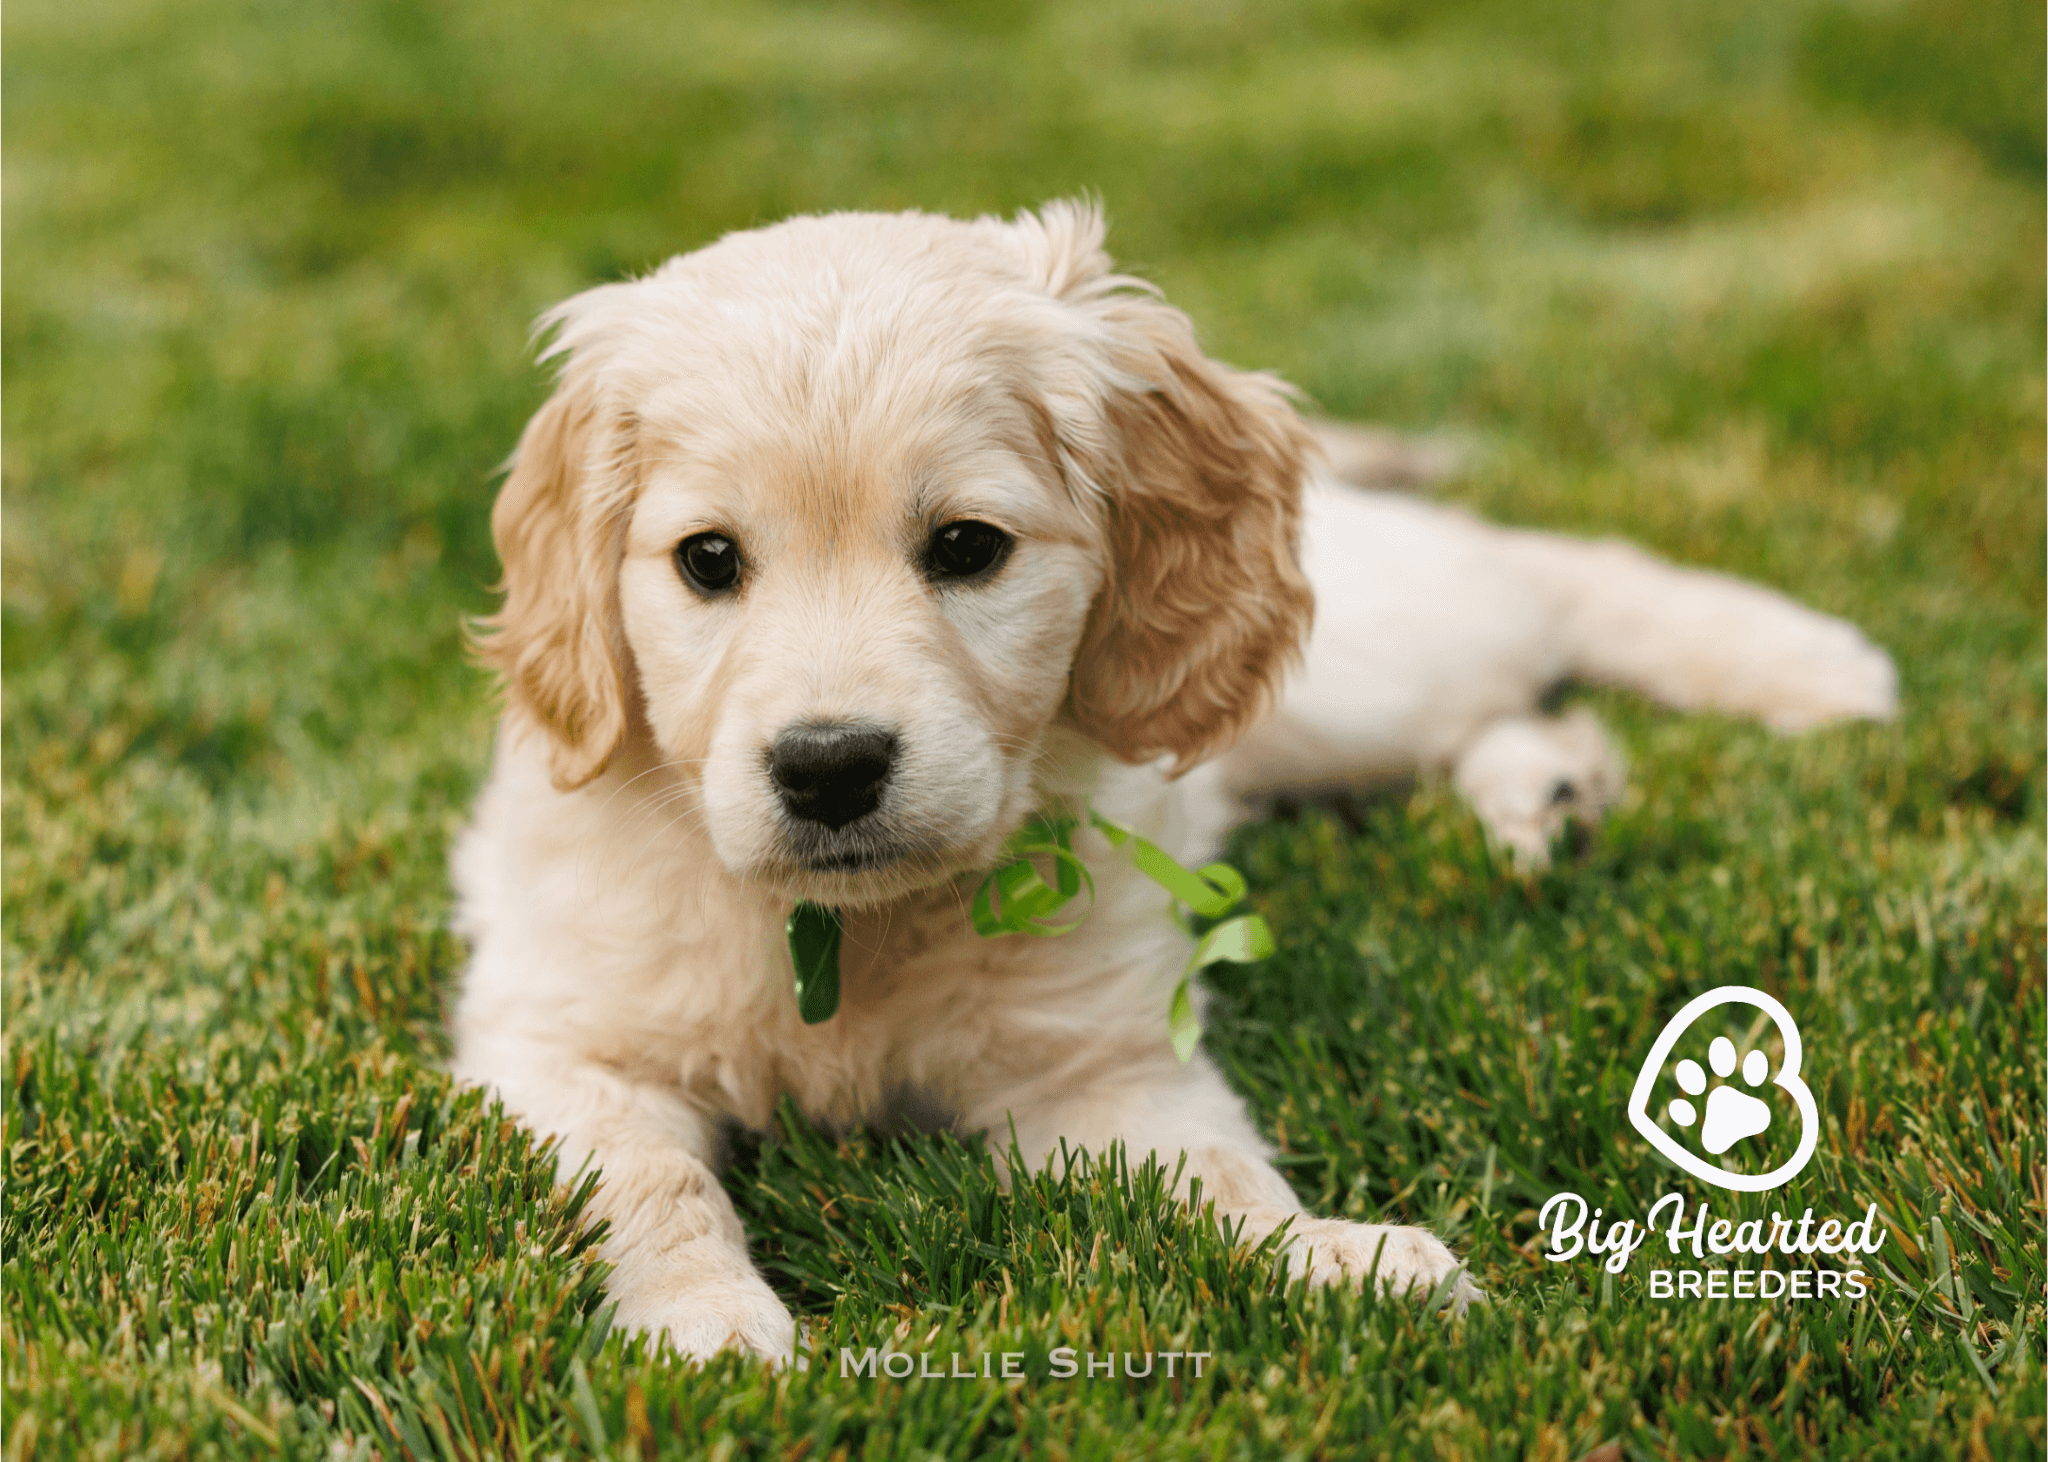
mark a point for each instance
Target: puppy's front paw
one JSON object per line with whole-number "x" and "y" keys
{"x": 1336, "y": 1251}
{"x": 702, "y": 1320}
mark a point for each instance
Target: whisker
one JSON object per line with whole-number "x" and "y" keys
{"x": 643, "y": 808}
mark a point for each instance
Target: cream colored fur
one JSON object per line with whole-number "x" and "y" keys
{"x": 827, "y": 392}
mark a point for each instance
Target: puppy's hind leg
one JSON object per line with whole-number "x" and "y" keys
{"x": 1526, "y": 776}
{"x": 1697, "y": 640}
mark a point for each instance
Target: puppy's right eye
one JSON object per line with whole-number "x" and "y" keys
{"x": 710, "y": 562}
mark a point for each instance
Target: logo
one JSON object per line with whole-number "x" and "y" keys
{"x": 1716, "y": 1115}
{"x": 1726, "y": 1115}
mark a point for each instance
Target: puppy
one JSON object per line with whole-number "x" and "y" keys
{"x": 842, "y": 547}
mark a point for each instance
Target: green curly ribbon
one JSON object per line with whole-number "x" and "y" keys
{"x": 1013, "y": 899}
{"x": 1016, "y": 899}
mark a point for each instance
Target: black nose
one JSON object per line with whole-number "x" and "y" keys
{"x": 832, "y": 772}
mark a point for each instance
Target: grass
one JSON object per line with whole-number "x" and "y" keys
{"x": 1757, "y": 284}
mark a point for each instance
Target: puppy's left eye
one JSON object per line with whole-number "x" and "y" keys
{"x": 965, "y": 550}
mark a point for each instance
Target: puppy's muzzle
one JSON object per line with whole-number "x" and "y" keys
{"x": 831, "y": 773}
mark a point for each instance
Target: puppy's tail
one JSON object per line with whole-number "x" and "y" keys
{"x": 1697, "y": 640}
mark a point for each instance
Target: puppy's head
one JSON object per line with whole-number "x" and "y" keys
{"x": 846, "y": 514}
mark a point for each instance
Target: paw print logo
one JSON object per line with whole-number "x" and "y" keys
{"x": 1731, "y": 1114}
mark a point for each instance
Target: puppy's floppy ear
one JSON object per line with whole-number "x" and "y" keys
{"x": 1198, "y": 469}
{"x": 558, "y": 524}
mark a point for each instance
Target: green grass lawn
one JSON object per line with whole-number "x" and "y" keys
{"x": 1759, "y": 284}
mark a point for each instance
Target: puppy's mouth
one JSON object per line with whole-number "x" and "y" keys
{"x": 853, "y": 860}
{"x": 871, "y": 844}
{"x": 862, "y": 864}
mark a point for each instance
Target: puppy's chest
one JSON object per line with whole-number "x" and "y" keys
{"x": 931, "y": 1016}
{"x": 718, "y": 1020}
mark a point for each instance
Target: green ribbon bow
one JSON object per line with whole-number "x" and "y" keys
{"x": 1016, "y": 899}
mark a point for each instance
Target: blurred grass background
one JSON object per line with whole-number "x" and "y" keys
{"x": 1758, "y": 284}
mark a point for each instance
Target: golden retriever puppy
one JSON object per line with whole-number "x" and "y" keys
{"x": 842, "y": 547}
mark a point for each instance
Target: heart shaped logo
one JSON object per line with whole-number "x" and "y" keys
{"x": 1731, "y": 1114}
